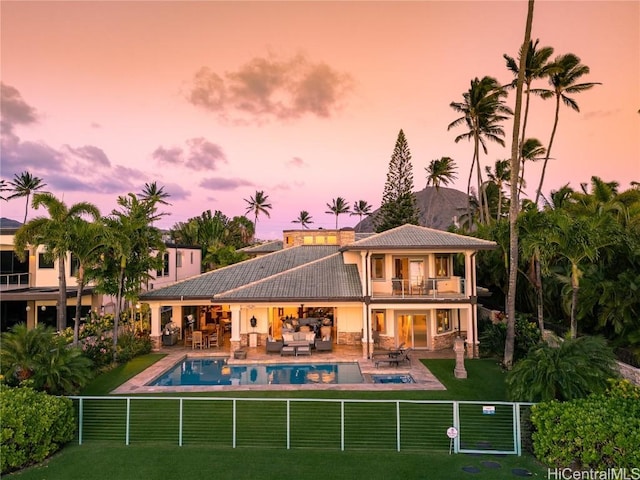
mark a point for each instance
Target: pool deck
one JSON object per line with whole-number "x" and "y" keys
{"x": 424, "y": 379}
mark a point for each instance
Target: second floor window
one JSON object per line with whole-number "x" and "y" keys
{"x": 165, "y": 270}
{"x": 75, "y": 265}
{"x": 442, "y": 266}
{"x": 178, "y": 259}
{"x": 44, "y": 262}
{"x": 377, "y": 267}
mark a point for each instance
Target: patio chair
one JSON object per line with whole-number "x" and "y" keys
{"x": 197, "y": 340}
{"x": 395, "y": 357}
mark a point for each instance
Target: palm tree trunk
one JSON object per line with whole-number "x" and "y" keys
{"x": 469, "y": 191}
{"x": 509, "y": 344}
{"x": 61, "y": 323}
{"x": 539, "y": 291}
{"x": 546, "y": 158}
{"x": 26, "y": 210}
{"x": 523, "y": 137}
{"x": 76, "y": 322}
{"x": 116, "y": 317}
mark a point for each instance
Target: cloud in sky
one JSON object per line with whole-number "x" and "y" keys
{"x": 296, "y": 162}
{"x": 94, "y": 156}
{"x": 269, "y": 88}
{"x": 224, "y": 183}
{"x": 15, "y": 111}
{"x": 200, "y": 154}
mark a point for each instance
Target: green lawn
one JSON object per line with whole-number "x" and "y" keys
{"x": 213, "y": 458}
{"x": 150, "y": 462}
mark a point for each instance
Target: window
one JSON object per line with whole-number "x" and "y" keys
{"x": 75, "y": 265}
{"x": 165, "y": 271}
{"x": 307, "y": 240}
{"x": 332, "y": 240}
{"x": 379, "y": 321}
{"x": 44, "y": 262}
{"x": 442, "y": 266}
{"x": 320, "y": 240}
{"x": 443, "y": 321}
{"x": 191, "y": 253}
{"x": 377, "y": 267}
{"x": 178, "y": 259}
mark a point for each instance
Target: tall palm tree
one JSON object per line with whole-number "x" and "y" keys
{"x": 483, "y": 108}
{"x": 152, "y": 193}
{"x": 304, "y": 219}
{"x": 499, "y": 176}
{"x": 531, "y": 151}
{"x": 257, "y": 205}
{"x": 361, "y": 208}
{"x": 440, "y": 171}
{"x": 24, "y": 185}
{"x": 4, "y": 187}
{"x": 514, "y": 205}
{"x": 536, "y": 66}
{"x": 338, "y": 206}
{"x": 88, "y": 242}
{"x": 53, "y": 234}
{"x": 567, "y": 70}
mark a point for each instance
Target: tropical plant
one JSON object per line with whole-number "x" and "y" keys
{"x": 361, "y": 208}
{"x": 531, "y": 151}
{"x": 41, "y": 359}
{"x": 337, "y": 207}
{"x": 567, "y": 69}
{"x": 441, "y": 171}
{"x": 53, "y": 234}
{"x": 483, "y": 109}
{"x": 399, "y": 204}
{"x": 24, "y": 185}
{"x": 4, "y": 187}
{"x": 536, "y": 66}
{"x": 500, "y": 176}
{"x": 304, "y": 219}
{"x": 133, "y": 248}
{"x": 574, "y": 369}
{"x": 258, "y": 205}
{"x": 87, "y": 247}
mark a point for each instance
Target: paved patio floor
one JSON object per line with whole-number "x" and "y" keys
{"x": 424, "y": 379}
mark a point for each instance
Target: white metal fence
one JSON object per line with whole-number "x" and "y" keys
{"x": 482, "y": 427}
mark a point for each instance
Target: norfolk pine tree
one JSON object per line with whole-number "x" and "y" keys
{"x": 398, "y": 200}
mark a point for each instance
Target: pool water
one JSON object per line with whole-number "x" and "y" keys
{"x": 218, "y": 372}
{"x": 392, "y": 379}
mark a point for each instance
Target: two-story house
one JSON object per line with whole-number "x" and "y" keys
{"x": 411, "y": 285}
{"x": 29, "y": 289}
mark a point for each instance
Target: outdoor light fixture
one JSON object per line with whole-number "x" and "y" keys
{"x": 28, "y": 308}
{"x": 43, "y": 308}
{"x": 254, "y": 321}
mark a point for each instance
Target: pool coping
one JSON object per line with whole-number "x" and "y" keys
{"x": 424, "y": 379}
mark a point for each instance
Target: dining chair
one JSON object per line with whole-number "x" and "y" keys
{"x": 213, "y": 340}
{"x": 197, "y": 340}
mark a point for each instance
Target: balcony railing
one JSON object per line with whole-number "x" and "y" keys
{"x": 435, "y": 288}
{"x": 14, "y": 281}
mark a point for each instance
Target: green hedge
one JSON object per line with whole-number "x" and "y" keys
{"x": 34, "y": 426}
{"x": 597, "y": 432}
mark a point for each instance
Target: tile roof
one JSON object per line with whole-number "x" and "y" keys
{"x": 416, "y": 237}
{"x": 327, "y": 278}
{"x": 209, "y": 284}
{"x": 266, "y": 247}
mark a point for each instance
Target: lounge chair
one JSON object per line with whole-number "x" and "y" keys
{"x": 394, "y": 358}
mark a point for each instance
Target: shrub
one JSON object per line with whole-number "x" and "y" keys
{"x": 99, "y": 349}
{"x": 598, "y": 432}
{"x": 493, "y": 337}
{"x": 34, "y": 426}
{"x": 573, "y": 370}
{"x": 42, "y": 359}
{"x": 131, "y": 345}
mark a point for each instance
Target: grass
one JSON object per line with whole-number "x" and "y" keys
{"x": 96, "y": 460}
{"x": 150, "y": 462}
{"x": 106, "y": 382}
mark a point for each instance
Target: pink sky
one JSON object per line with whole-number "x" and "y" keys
{"x": 304, "y": 100}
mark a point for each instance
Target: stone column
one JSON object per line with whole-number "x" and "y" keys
{"x": 458, "y": 348}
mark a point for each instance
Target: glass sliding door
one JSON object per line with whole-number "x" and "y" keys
{"x": 412, "y": 331}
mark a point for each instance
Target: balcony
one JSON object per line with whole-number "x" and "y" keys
{"x": 14, "y": 281}
{"x": 422, "y": 288}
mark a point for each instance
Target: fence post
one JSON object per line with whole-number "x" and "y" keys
{"x": 517, "y": 429}
{"x": 342, "y": 425}
{"x": 126, "y": 440}
{"x": 180, "y": 425}
{"x": 456, "y": 424}
{"x": 233, "y": 435}
{"x": 80, "y": 407}
{"x": 397, "y": 425}
{"x": 288, "y": 424}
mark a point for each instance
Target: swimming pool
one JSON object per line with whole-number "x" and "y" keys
{"x": 216, "y": 371}
{"x": 406, "y": 378}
